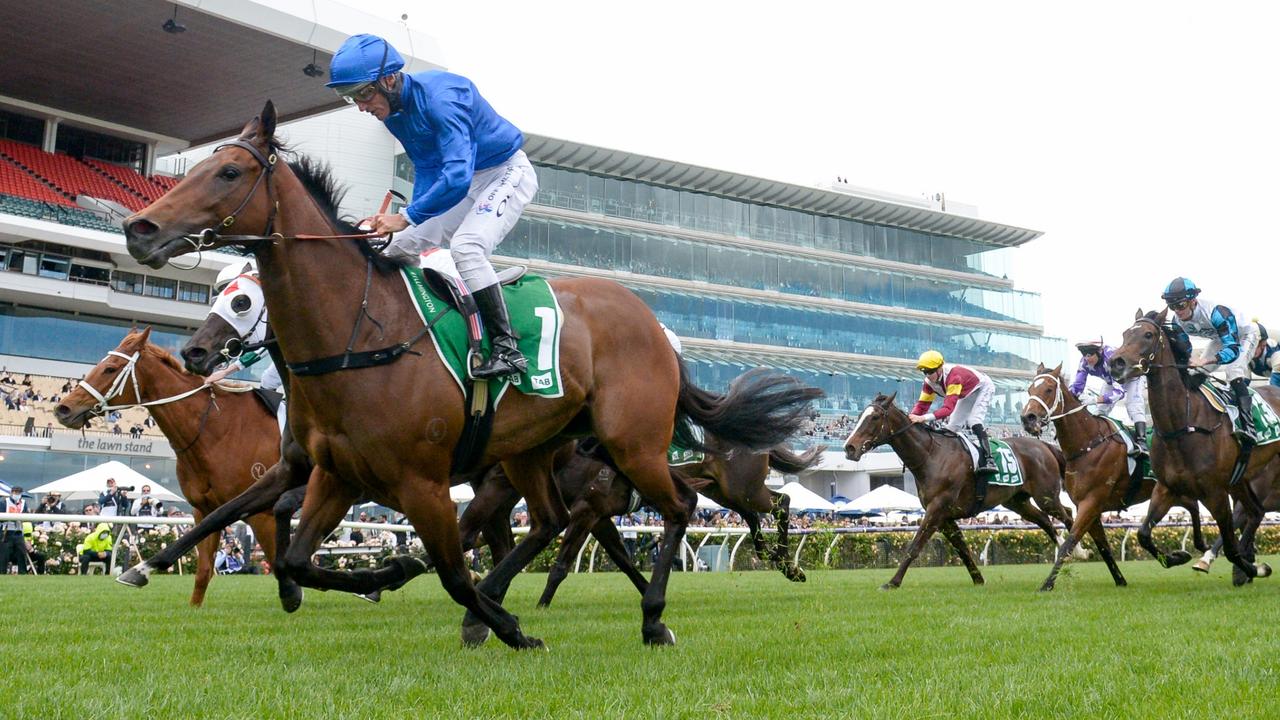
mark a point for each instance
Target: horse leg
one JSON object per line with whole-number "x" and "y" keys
{"x": 581, "y": 519}
{"x": 675, "y": 509}
{"x": 433, "y": 516}
{"x": 1087, "y": 514}
{"x": 327, "y": 502}
{"x": 780, "y": 504}
{"x": 1206, "y": 560}
{"x": 1022, "y": 505}
{"x": 530, "y": 474}
{"x": 932, "y": 519}
{"x": 1248, "y": 515}
{"x": 1220, "y": 508}
{"x": 1099, "y": 535}
{"x": 606, "y": 533}
{"x": 206, "y": 550}
{"x": 1197, "y": 534}
{"x": 289, "y": 503}
{"x": 952, "y": 533}
{"x": 1157, "y": 508}
{"x": 260, "y": 497}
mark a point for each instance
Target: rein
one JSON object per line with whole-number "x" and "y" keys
{"x": 1059, "y": 400}
{"x": 1148, "y": 362}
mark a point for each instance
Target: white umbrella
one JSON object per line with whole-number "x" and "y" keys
{"x": 885, "y": 498}
{"x": 706, "y": 503}
{"x": 88, "y": 484}
{"x": 462, "y": 493}
{"x": 804, "y": 499}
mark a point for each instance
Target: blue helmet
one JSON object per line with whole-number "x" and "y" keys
{"x": 363, "y": 59}
{"x": 1179, "y": 289}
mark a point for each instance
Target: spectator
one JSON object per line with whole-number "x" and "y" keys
{"x": 147, "y": 506}
{"x": 12, "y": 546}
{"x": 7, "y": 379}
{"x": 26, "y": 380}
{"x": 48, "y": 430}
{"x": 36, "y": 558}
{"x": 29, "y": 428}
{"x": 97, "y": 547}
{"x": 51, "y": 504}
{"x": 115, "y": 429}
{"x": 113, "y": 501}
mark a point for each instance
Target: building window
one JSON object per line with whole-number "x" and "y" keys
{"x": 161, "y": 288}
{"x": 54, "y": 266}
{"x": 90, "y": 274}
{"x": 126, "y": 282}
{"x": 193, "y": 292}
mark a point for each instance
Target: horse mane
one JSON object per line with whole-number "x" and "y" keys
{"x": 317, "y": 177}
{"x": 165, "y": 357}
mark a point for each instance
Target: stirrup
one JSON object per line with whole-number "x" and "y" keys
{"x": 500, "y": 365}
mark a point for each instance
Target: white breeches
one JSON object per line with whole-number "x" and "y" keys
{"x": 972, "y": 410}
{"x": 475, "y": 226}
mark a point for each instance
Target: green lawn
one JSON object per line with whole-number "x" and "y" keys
{"x": 1173, "y": 644}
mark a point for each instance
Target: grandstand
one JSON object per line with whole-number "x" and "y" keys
{"x": 838, "y": 286}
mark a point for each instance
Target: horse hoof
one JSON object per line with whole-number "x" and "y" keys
{"x": 664, "y": 636}
{"x": 373, "y": 597}
{"x": 888, "y": 586}
{"x": 532, "y": 643}
{"x": 135, "y": 576}
{"x": 797, "y": 575}
{"x": 1178, "y": 557}
{"x": 1047, "y": 587}
{"x": 1264, "y": 570}
{"x": 543, "y": 604}
{"x": 1201, "y": 566}
{"x": 291, "y": 600}
{"x": 474, "y": 635}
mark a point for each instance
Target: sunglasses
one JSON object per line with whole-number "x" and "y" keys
{"x": 362, "y": 93}
{"x": 1181, "y": 304}
{"x": 927, "y": 371}
{"x": 1089, "y": 351}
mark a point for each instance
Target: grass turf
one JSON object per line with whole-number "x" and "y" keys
{"x": 1172, "y": 644}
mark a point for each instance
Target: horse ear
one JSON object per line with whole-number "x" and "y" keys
{"x": 889, "y": 400}
{"x": 1058, "y": 370}
{"x": 1164, "y": 315}
{"x": 1138, "y": 315}
{"x": 267, "y": 131}
{"x": 146, "y": 335}
{"x": 1039, "y": 368}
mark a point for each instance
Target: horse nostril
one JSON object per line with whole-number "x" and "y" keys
{"x": 141, "y": 227}
{"x": 194, "y": 354}
{"x": 61, "y": 411}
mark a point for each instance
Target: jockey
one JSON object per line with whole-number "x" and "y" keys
{"x": 1231, "y": 341}
{"x": 968, "y": 395}
{"x": 472, "y": 179}
{"x": 1095, "y": 358}
{"x": 271, "y": 376}
{"x": 1266, "y": 358}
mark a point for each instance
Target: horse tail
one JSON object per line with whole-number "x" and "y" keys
{"x": 782, "y": 459}
{"x": 761, "y": 409}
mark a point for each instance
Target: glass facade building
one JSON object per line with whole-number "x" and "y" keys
{"x": 821, "y": 284}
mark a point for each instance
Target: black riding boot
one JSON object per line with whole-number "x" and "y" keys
{"x": 1140, "y": 438}
{"x": 986, "y": 468}
{"x": 504, "y": 357}
{"x": 1243, "y": 401}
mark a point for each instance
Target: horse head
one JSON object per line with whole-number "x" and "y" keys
{"x": 222, "y": 193}
{"x": 878, "y": 422}
{"x": 238, "y": 318}
{"x": 1140, "y": 345}
{"x": 1045, "y": 398}
{"x": 112, "y": 377}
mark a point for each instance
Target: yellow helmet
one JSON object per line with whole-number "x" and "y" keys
{"x": 929, "y": 360}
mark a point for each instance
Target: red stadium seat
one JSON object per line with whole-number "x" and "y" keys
{"x": 17, "y": 182}
{"x": 69, "y": 175}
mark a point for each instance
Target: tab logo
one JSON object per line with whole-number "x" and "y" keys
{"x": 541, "y": 382}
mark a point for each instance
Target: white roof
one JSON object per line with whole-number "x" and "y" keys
{"x": 885, "y": 498}
{"x": 88, "y": 484}
{"x": 802, "y": 498}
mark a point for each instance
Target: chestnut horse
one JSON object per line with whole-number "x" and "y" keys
{"x": 388, "y": 429}
{"x": 1097, "y": 476}
{"x": 1194, "y": 451}
{"x": 943, "y": 469}
{"x": 222, "y": 440}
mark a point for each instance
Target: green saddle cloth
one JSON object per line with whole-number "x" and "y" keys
{"x": 535, "y": 316}
{"x": 1008, "y": 469}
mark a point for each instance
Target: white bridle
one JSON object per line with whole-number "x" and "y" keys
{"x": 250, "y": 324}
{"x": 1058, "y": 400}
{"x": 129, "y": 375}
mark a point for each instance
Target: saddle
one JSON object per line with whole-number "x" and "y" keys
{"x": 270, "y": 398}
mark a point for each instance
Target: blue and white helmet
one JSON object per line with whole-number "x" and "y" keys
{"x": 1179, "y": 289}
{"x": 362, "y": 59}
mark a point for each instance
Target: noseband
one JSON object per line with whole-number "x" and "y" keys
{"x": 1058, "y": 400}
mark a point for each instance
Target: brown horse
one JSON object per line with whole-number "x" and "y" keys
{"x": 222, "y": 440}
{"x": 1097, "y": 476}
{"x": 1193, "y": 451}
{"x": 595, "y": 493}
{"x": 943, "y": 469}
{"x": 388, "y": 429}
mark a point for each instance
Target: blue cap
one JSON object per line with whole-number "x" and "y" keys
{"x": 1179, "y": 288}
{"x": 362, "y": 59}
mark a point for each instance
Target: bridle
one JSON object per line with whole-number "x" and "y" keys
{"x": 245, "y": 341}
{"x": 873, "y": 442}
{"x": 1058, "y": 400}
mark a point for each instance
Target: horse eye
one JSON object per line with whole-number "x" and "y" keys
{"x": 230, "y": 172}
{"x": 1149, "y": 336}
{"x": 109, "y": 370}
{"x": 240, "y": 304}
